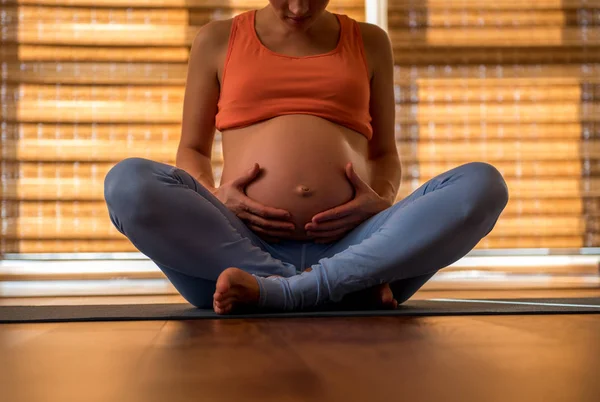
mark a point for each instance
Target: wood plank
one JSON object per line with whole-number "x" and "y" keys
{"x": 16, "y": 335}
{"x": 370, "y": 361}
{"x": 333, "y": 359}
{"x": 115, "y": 350}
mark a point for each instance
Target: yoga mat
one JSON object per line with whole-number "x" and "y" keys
{"x": 432, "y": 307}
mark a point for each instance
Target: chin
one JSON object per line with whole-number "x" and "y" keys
{"x": 299, "y": 25}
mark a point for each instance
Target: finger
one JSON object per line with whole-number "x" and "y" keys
{"x": 266, "y": 224}
{"x": 266, "y": 212}
{"x": 248, "y": 177}
{"x": 353, "y": 176}
{"x": 224, "y": 303}
{"x": 331, "y": 225}
{"x": 334, "y": 213}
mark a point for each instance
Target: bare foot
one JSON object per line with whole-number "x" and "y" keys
{"x": 383, "y": 293}
{"x": 377, "y": 297}
{"x": 235, "y": 287}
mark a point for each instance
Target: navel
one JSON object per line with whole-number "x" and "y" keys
{"x": 303, "y": 190}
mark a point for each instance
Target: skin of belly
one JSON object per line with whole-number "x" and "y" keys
{"x": 302, "y": 160}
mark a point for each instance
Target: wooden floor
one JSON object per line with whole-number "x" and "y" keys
{"x": 476, "y": 358}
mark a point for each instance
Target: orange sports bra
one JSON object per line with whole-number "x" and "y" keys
{"x": 259, "y": 84}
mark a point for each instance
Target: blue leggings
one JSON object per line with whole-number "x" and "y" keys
{"x": 192, "y": 237}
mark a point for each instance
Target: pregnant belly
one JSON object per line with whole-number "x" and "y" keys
{"x": 302, "y": 160}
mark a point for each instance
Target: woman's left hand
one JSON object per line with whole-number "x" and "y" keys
{"x": 335, "y": 223}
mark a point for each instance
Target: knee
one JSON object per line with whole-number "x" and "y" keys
{"x": 490, "y": 192}
{"x": 126, "y": 186}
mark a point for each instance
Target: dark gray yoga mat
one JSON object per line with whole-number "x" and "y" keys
{"x": 432, "y": 307}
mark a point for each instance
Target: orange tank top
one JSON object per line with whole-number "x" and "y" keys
{"x": 259, "y": 84}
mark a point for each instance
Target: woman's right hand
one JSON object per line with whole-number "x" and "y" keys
{"x": 269, "y": 223}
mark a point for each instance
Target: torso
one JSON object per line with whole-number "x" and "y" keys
{"x": 303, "y": 158}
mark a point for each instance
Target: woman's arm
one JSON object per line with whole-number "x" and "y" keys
{"x": 200, "y": 103}
{"x": 384, "y": 162}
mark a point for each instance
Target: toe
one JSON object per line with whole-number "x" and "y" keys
{"x": 387, "y": 297}
{"x": 223, "y": 281}
{"x": 225, "y": 302}
{"x": 223, "y": 309}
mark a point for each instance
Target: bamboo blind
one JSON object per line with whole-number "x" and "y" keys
{"x": 88, "y": 83}
{"x": 512, "y": 83}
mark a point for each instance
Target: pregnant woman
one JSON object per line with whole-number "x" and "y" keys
{"x": 305, "y": 215}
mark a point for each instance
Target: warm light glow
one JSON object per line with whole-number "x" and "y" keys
{"x": 474, "y": 37}
{"x": 493, "y": 5}
{"x": 506, "y": 81}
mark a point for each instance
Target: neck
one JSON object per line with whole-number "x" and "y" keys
{"x": 279, "y": 27}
